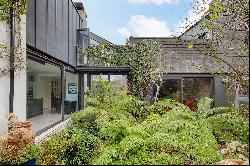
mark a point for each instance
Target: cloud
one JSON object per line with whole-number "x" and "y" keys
{"x": 155, "y": 2}
{"x": 142, "y": 26}
{"x": 193, "y": 15}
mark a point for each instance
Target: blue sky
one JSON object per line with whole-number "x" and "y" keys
{"x": 115, "y": 20}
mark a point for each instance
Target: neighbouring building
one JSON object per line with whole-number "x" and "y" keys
{"x": 188, "y": 76}
{"x": 56, "y": 77}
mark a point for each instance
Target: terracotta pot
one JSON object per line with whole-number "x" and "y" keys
{"x": 25, "y": 124}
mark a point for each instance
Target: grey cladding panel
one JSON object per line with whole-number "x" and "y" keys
{"x": 72, "y": 57}
{"x": 31, "y": 23}
{"x": 65, "y": 45}
{"x": 51, "y": 42}
{"x": 220, "y": 96}
{"x": 77, "y": 21}
{"x": 59, "y": 30}
{"x": 41, "y": 25}
{"x": 70, "y": 30}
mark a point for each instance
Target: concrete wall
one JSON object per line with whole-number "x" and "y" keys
{"x": 20, "y": 80}
{"x": 195, "y": 31}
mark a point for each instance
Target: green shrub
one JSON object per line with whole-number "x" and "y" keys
{"x": 115, "y": 131}
{"x": 165, "y": 106}
{"x": 29, "y": 152}
{"x": 86, "y": 120}
{"x": 178, "y": 137}
{"x": 203, "y": 106}
{"x": 122, "y": 130}
{"x": 101, "y": 96}
{"x": 229, "y": 127}
{"x": 70, "y": 147}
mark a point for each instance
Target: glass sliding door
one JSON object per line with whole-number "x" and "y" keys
{"x": 43, "y": 94}
{"x": 196, "y": 88}
{"x": 186, "y": 90}
{"x": 170, "y": 89}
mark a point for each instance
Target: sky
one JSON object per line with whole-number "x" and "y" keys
{"x": 116, "y": 20}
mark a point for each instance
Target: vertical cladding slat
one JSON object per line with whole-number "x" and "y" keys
{"x": 41, "y": 25}
{"x": 31, "y": 23}
{"x": 72, "y": 59}
{"x": 65, "y": 30}
{"x": 51, "y": 28}
{"x": 70, "y": 31}
{"x": 59, "y": 30}
{"x": 77, "y": 21}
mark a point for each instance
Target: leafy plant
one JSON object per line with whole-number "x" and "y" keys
{"x": 85, "y": 120}
{"x": 145, "y": 61}
{"x": 70, "y": 147}
{"x": 122, "y": 130}
{"x": 229, "y": 127}
{"x": 168, "y": 139}
{"x": 29, "y": 152}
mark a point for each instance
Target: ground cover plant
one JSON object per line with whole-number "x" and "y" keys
{"x": 121, "y": 129}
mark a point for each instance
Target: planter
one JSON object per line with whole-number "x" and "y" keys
{"x": 30, "y": 162}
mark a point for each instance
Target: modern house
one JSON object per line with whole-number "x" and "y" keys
{"x": 55, "y": 79}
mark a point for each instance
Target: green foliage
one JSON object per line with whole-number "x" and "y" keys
{"x": 29, "y": 152}
{"x": 102, "y": 95}
{"x": 144, "y": 60}
{"x": 164, "y": 106}
{"x": 69, "y": 147}
{"x": 20, "y": 8}
{"x": 129, "y": 132}
{"x": 168, "y": 139}
{"x": 204, "y": 105}
{"x": 229, "y": 127}
{"x": 85, "y": 120}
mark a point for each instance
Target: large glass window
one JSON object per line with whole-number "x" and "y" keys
{"x": 193, "y": 90}
{"x": 43, "y": 94}
{"x": 171, "y": 89}
{"x": 196, "y": 88}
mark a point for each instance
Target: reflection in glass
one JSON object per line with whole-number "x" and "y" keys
{"x": 194, "y": 89}
{"x": 170, "y": 89}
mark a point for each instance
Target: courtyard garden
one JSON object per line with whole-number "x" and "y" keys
{"x": 117, "y": 128}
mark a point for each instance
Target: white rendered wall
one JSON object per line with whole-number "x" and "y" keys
{"x": 20, "y": 81}
{"x": 71, "y": 78}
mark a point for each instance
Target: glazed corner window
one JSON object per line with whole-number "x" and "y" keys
{"x": 43, "y": 94}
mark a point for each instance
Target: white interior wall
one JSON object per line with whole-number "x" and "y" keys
{"x": 71, "y": 78}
